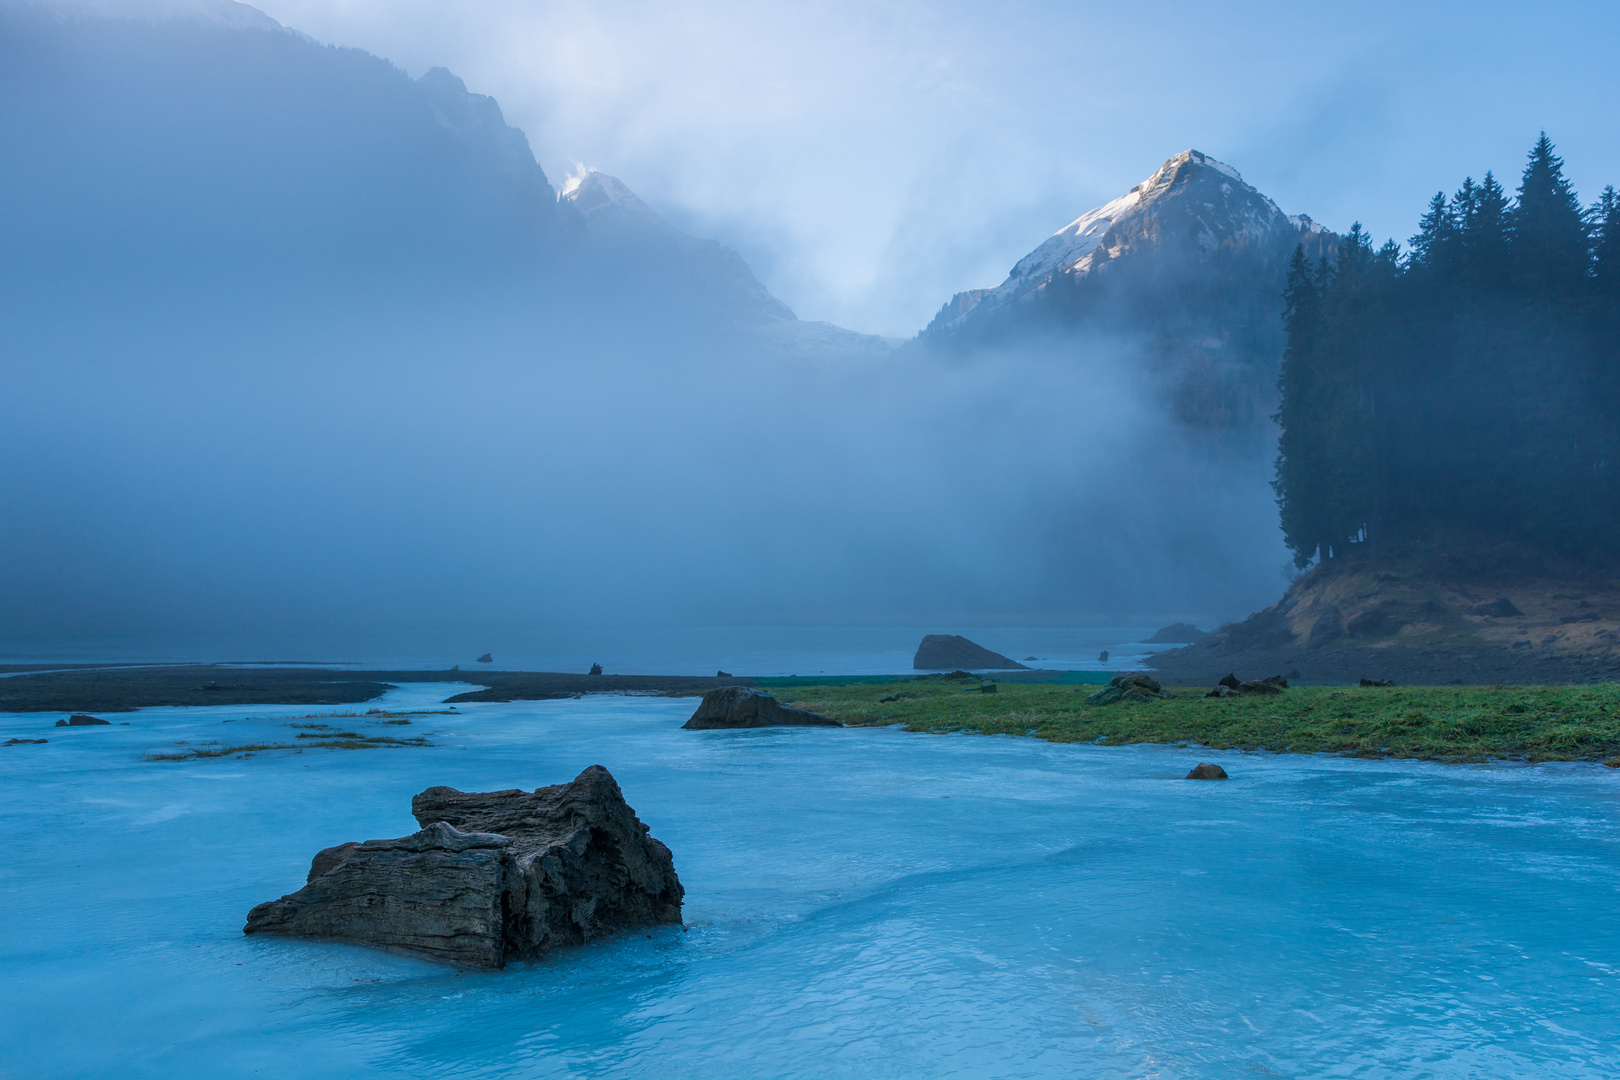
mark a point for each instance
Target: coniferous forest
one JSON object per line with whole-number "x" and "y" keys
{"x": 1462, "y": 395}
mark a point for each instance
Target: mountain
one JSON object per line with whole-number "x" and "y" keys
{"x": 618, "y": 220}
{"x": 613, "y": 215}
{"x": 1186, "y": 268}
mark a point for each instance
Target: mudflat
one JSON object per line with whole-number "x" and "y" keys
{"x": 124, "y": 689}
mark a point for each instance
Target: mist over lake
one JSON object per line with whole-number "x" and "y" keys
{"x": 900, "y": 540}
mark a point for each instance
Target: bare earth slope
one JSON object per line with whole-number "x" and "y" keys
{"x": 1346, "y": 623}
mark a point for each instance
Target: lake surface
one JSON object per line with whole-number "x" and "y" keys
{"x": 860, "y": 903}
{"x": 741, "y": 650}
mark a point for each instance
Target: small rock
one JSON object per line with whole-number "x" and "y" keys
{"x": 1585, "y": 616}
{"x": 22, "y": 742}
{"x": 486, "y": 659}
{"x": 987, "y": 688}
{"x": 1259, "y": 686}
{"x": 741, "y": 707}
{"x": 1500, "y": 608}
{"x": 1031, "y": 658}
{"x": 1612, "y": 763}
{"x": 1230, "y": 680}
{"x": 1206, "y": 771}
{"x": 724, "y": 675}
{"x": 81, "y": 720}
{"x": 1220, "y": 690}
{"x": 1102, "y": 657}
{"x": 1377, "y": 682}
{"x": 596, "y": 669}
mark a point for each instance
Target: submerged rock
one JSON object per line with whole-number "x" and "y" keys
{"x": 24, "y": 742}
{"x": 939, "y": 651}
{"x": 740, "y": 707}
{"x": 1206, "y": 771}
{"x": 491, "y": 876}
{"x": 81, "y": 720}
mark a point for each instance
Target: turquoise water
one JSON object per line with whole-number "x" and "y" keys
{"x": 860, "y": 903}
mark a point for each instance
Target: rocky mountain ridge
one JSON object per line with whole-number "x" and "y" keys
{"x": 1183, "y": 274}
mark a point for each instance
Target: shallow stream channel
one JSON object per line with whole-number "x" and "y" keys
{"x": 860, "y": 903}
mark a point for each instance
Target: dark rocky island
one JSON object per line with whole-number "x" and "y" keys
{"x": 1176, "y": 634}
{"x": 491, "y": 876}
{"x": 942, "y": 652}
{"x": 740, "y": 707}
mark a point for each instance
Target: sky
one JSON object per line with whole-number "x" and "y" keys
{"x": 869, "y": 160}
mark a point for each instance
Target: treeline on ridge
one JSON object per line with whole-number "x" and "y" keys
{"x": 1463, "y": 395}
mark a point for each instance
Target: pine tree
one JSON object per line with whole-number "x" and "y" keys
{"x": 1604, "y": 219}
{"x": 1483, "y": 231}
{"x": 1433, "y": 246}
{"x": 1548, "y": 229}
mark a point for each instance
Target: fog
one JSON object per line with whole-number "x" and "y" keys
{"x": 294, "y": 341}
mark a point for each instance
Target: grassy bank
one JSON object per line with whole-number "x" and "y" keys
{"x": 1451, "y": 723}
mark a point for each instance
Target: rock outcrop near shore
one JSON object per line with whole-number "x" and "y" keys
{"x": 491, "y": 876}
{"x": 740, "y": 707}
{"x": 941, "y": 652}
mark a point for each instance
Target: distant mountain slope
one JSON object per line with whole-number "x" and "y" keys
{"x": 1189, "y": 264}
{"x": 150, "y": 142}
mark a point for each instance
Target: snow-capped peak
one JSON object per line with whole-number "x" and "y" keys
{"x": 599, "y": 198}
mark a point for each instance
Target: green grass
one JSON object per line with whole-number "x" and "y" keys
{"x": 1451, "y": 723}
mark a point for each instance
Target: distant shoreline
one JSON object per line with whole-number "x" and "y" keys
{"x": 125, "y": 688}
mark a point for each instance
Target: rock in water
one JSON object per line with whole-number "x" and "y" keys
{"x": 81, "y": 720}
{"x": 486, "y": 659}
{"x": 1206, "y": 771}
{"x": 436, "y": 893}
{"x": 939, "y": 652}
{"x": 740, "y": 707}
{"x": 1102, "y": 657}
{"x": 491, "y": 876}
{"x": 1177, "y": 634}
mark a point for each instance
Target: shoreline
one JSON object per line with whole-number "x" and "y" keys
{"x": 121, "y": 689}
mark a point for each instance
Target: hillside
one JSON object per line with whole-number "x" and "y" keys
{"x": 1400, "y": 619}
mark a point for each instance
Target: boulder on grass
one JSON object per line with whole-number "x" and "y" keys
{"x": 741, "y": 707}
{"x": 491, "y": 876}
{"x": 1206, "y": 771}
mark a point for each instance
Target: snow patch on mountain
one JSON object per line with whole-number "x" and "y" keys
{"x": 1192, "y": 196}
